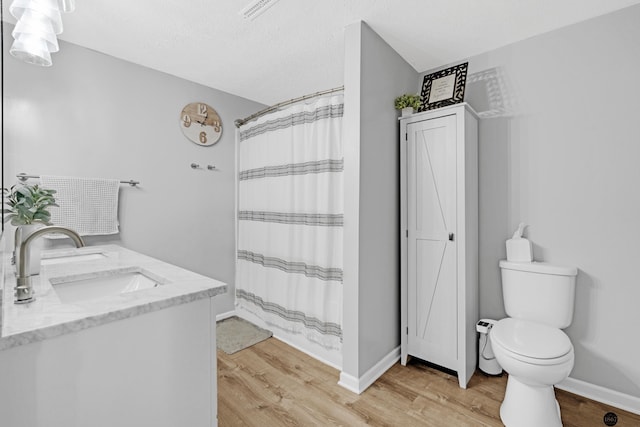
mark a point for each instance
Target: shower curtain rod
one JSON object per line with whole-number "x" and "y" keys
{"x": 274, "y": 107}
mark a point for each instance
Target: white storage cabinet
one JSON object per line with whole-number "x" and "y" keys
{"x": 439, "y": 228}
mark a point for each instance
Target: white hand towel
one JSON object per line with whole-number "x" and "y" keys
{"x": 87, "y": 205}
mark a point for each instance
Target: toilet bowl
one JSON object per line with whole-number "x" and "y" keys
{"x": 536, "y": 357}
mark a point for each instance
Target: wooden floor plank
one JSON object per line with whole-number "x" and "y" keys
{"x": 272, "y": 384}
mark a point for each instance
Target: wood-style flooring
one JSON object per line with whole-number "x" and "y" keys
{"x": 272, "y": 384}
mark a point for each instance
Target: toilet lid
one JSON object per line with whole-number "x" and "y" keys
{"x": 531, "y": 339}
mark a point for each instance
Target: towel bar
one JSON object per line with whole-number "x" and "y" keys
{"x": 23, "y": 177}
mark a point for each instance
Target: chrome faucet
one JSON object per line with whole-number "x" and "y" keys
{"x": 24, "y": 289}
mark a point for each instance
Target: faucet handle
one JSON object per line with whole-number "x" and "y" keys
{"x": 24, "y": 291}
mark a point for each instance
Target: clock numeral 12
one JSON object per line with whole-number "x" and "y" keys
{"x": 202, "y": 109}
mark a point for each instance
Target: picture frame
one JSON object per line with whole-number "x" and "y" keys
{"x": 444, "y": 87}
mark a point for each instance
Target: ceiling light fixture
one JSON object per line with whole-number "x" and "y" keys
{"x": 39, "y": 22}
{"x": 256, "y": 8}
{"x": 68, "y": 6}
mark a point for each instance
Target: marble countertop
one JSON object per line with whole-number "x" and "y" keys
{"x": 48, "y": 316}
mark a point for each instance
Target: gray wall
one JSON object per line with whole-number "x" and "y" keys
{"x": 374, "y": 75}
{"x": 559, "y": 150}
{"x": 97, "y": 116}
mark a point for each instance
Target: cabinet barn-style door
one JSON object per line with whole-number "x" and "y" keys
{"x": 440, "y": 245}
{"x": 431, "y": 214}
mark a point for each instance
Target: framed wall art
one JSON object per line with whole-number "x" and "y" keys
{"x": 444, "y": 87}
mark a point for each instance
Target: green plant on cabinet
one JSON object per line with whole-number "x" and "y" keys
{"x": 407, "y": 100}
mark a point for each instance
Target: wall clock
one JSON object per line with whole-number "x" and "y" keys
{"x": 200, "y": 124}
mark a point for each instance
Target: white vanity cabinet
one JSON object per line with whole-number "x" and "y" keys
{"x": 113, "y": 356}
{"x": 439, "y": 229}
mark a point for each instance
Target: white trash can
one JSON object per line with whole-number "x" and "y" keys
{"x": 486, "y": 359}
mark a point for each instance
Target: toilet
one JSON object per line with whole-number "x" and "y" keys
{"x": 530, "y": 344}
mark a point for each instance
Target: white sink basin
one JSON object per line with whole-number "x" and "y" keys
{"x": 100, "y": 284}
{"x": 63, "y": 259}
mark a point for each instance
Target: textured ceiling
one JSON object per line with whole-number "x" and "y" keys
{"x": 296, "y": 46}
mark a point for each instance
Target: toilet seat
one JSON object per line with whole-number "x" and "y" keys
{"x": 532, "y": 342}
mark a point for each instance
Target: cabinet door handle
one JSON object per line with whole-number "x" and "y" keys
{"x": 451, "y": 236}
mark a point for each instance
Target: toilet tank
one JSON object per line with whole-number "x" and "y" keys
{"x": 539, "y": 292}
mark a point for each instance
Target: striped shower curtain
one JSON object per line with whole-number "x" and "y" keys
{"x": 290, "y": 215}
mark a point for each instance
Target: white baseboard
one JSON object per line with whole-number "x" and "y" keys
{"x": 349, "y": 382}
{"x": 601, "y": 394}
{"x": 226, "y": 315}
{"x": 335, "y": 364}
{"x": 328, "y": 357}
{"x": 358, "y": 385}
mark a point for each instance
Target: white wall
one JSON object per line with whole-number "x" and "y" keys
{"x": 561, "y": 154}
{"x": 374, "y": 75}
{"x": 97, "y": 116}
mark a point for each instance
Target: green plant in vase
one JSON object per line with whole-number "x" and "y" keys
{"x": 28, "y": 209}
{"x": 29, "y": 204}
